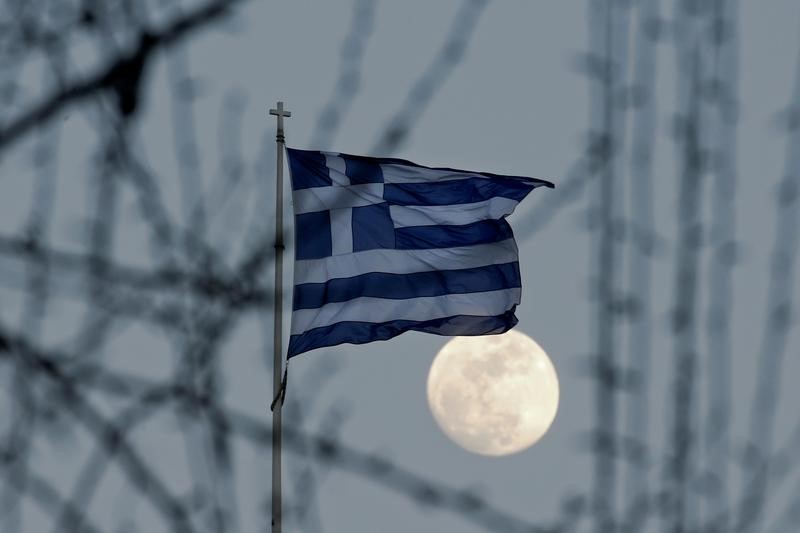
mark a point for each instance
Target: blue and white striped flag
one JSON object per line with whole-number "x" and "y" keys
{"x": 385, "y": 246}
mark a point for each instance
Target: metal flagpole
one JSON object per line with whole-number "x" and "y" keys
{"x": 277, "y": 403}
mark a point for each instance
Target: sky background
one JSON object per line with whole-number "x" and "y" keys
{"x": 518, "y": 103}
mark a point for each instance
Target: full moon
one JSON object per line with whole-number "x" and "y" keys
{"x": 494, "y": 394}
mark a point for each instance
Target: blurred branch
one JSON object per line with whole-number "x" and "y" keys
{"x": 308, "y": 477}
{"x": 722, "y": 238}
{"x": 324, "y": 449}
{"x": 122, "y": 77}
{"x": 432, "y": 79}
{"x": 776, "y": 328}
{"x": 231, "y": 287}
{"x": 107, "y": 433}
{"x": 347, "y": 85}
{"x": 48, "y": 499}
{"x": 202, "y": 281}
{"x": 639, "y": 261}
{"x": 688, "y": 135}
{"x": 608, "y": 126}
{"x": 380, "y": 470}
{"x": 183, "y": 92}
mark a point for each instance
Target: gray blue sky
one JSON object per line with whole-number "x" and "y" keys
{"x": 516, "y": 104}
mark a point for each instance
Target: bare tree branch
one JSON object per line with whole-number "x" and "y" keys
{"x": 122, "y": 77}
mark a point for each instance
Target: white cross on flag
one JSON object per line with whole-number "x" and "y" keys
{"x": 384, "y": 246}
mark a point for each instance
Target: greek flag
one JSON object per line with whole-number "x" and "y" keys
{"x": 385, "y": 246}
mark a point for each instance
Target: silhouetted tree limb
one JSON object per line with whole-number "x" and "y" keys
{"x": 780, "y": 304}
{"x": 123, "y": 77}
{"x": 640, "y": 254}
{"x": 347, "y": 84}
{"x": 431, "y": 80}
{"x": 109, "y": 435}
{"x": 148, "y": 398}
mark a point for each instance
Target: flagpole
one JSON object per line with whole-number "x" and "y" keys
{"x": 277, "y": 365}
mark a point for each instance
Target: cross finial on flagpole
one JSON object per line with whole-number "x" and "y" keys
{"x": 280, "y": 113}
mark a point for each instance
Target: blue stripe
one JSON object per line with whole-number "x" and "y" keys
{"x": 395, "y": 161}
{"x": 426, "y": 237}
{"x": 321, "y": 180}
{"x": 462, "y": 191}
{"x": 363, "y": 332}
{"x": 403, "y": 286}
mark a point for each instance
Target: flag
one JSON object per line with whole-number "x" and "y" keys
{"x": 385, "y": 246}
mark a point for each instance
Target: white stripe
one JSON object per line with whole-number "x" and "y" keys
{"x": 493, "y": 208}
{"x": 324, "y": 198}
{"x": 394, "y": 173}
{"x": 377, "y": 310}
{"x": 336, "y": 169}
{"x": 342, "y": 231}
{"x": 404, "y": 261}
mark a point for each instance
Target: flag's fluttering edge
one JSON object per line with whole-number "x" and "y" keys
{"x": 384, "y": 246}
